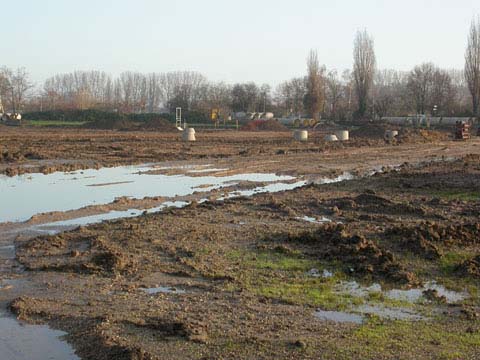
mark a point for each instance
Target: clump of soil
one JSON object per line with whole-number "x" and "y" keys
{"x": 372, "y": 203}
{"x": 411, "y": 135}
{"x": 406, "y": 134}
{"x": 264, "y": 125}
{"x": 67, "y": 253}
{"x": 365, "y": 257}
{"x": 470, "y": 267}
{"x": 434, "y": 296}
{"x": 112, "y": 124}
{"x": 157, "y": 124}
{"x": 430, "y": 232}
{"x": 372, "y": 131}
{"x": 9, "y": 156}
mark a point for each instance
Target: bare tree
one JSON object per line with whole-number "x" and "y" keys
{"x": 315, "y": 95}
{"x": 335, "y": 92}
{"x": 290, "y": 95}
{"x": 16, "y": 85}
{"x": 420, "y": 86}
{"x": 364, "y": 63}
{"x": 472, "y": 64}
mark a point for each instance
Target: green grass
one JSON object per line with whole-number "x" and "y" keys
{"x": 281, "y": 275}
{"x": 55, "y": 123}
{"x": 394, "y": 337}
{"x": 457, "y": 195}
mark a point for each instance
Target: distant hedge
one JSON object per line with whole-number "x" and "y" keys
{"x": 72, "y": 115}
{"x": 96, "y": 115}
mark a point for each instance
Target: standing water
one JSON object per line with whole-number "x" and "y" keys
{"x": 23, "y": 196}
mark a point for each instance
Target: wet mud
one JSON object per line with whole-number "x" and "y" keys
{"x": 232, "y": 278}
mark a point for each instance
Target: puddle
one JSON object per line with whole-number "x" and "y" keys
{"x": 410, "y": 295}
{"x": 357, "y": 290}
{"x": 313, "y": 220}
{"x": 20, "y": 341}
{"x": 112, "y": 215}
{"x": 7, "y": 252}
{"x": 163, "y": 290}
{"x": 209, "y": 170}
{"x": 343, "y": 177}
{"x": 271, "y": 188}
{"x": 26, "y": 195}
{"x": 316, "y": 273}
{"x": 415, "y": 295}
{"x": 390, "y": 313}
{"x": 339, "y": 317}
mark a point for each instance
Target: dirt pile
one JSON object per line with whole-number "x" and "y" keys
{"x": 371, "y": 131}
{"x": 112, "y": 124}
{"x": 405, "y": 135}
{"x": 157, "y": 124}
{"x": 372, "y": 203}
{"x": 411, "y": 135}
{"x": 9, "y": 156}
{"x": 365, "y": 257}
{"x": 414, "y": 241}
{"x": 67, "y": 253}
{"x": 470, "y": 267}
{"x": 460, "y": 234}
{"x": 264, "y": 125}
{"x": 427, "y": 239}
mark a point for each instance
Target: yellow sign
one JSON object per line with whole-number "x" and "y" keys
{"x": 215, "y": 113}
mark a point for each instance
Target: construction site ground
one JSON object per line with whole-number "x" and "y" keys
{"x": 383, "y": 265}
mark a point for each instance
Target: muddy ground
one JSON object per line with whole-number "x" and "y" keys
{"x": 237, "y": 277}
{"x": 27, "y": 149}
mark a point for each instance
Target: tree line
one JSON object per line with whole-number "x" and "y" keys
{"x": 363, "y": 92}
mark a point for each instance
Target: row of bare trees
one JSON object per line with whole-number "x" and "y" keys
{"x": 367, "y": 92}
{"x": 136, "y": 92}
{"x": 363, "y": 92}
{"x": 14, "y": 87}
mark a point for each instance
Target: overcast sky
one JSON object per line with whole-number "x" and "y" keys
{"x": 265, "y": 41}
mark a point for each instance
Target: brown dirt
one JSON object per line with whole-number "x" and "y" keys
{"x": 89, "y": 281}
{"x": 470, "y": 267}
{"x": 405, "y": 135}
{"x": 264, "y": 125}
{"x": 159, "y": 124}
{"x": 359, "y": 255}
{"x": 49, "y": 149}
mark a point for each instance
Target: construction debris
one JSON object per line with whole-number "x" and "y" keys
{"x": 462, "y": 131}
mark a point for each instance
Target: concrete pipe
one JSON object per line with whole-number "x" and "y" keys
{"x": 342, "y": 135}
{"x": 300, "y": 135}
{"x": 189, "y": 134}
{"x": 330, "y": 138}
{"x": 391, "y": 135}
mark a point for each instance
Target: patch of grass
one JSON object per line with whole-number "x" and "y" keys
{"x": 420, "y": 339}
{"x": 450, "y": 261}
{"x": 457, "y": 194}
{"x": 56, "y": 123}
{"x": 280, "y": 274}
{"x": 313, "y": 292}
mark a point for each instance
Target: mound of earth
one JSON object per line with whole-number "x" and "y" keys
{"x": 471, "y": 267}
{"x": 158, "y": 124}
{"x": 363, "y": 256}
{"x": 424, "y": 239}
{"x": 65, "y": 253}
{"x": 371, "y": 131}
{"x": 264, "y": 125}
{"x": 8, "y": 156}
{"x": 112, "y": 124}
{"x": 410, "y": 135}
{"x": 405, "y": 134}
{"x": 460, "y": 234}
